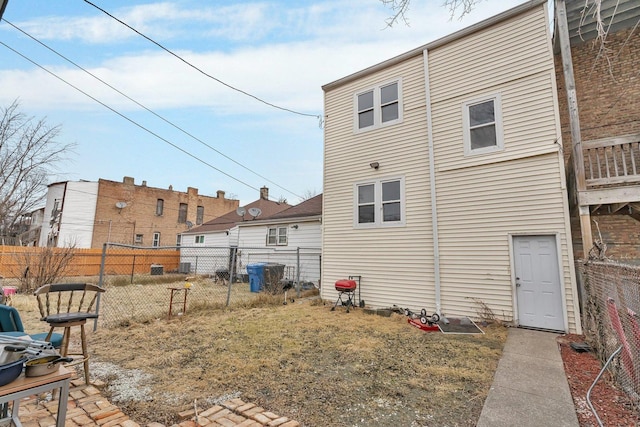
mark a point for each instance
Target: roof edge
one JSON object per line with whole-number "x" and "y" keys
{"x": 310, "y": 218}
{"x": 507, "y": 14}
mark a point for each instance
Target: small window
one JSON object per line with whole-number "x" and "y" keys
{"x": 199, "y": 215}
{"x": 272, "y": 236}
{"x": 178, "y": 239}
{"x": 282, "y": 235}
{"x": 182, "y": 213}
{"x": 156, "y": 239}
{"x": 379, "y": 106}
{"x": 379, "y": 203}
{"x": 200, "y": 239}
{"x": 277, "y": 236}
{"x": 159, "y": 207}
{"x": 138, "y": 238}
{"x": 482, "y": 121}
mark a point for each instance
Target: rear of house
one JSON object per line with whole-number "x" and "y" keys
{"x": 444, "y": 182}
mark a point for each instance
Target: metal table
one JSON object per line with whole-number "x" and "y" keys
{"x": 27, "y": 386}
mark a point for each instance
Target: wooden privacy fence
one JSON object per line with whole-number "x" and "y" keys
{"x": 14, "y": 260}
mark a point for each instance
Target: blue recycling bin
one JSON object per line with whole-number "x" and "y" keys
{"x": 256, "y": 276}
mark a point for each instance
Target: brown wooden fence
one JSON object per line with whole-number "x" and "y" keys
{"x": 14, "y": 260}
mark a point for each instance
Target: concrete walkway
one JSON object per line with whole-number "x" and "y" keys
{"x": 530, "y": 386}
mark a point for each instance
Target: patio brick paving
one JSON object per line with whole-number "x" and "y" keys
{"x": 88, "y": 408}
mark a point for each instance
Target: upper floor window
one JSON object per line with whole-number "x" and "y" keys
{"x": 482, "y": 125}
{"x": 200, "y": 215}
{"x": 178, "y": 239}
{"x": 156, "y": 239}
{"x": 182, "y": 213}
{"x": 199, "y": 239}
{"x": 380, "y": 203}
{"x": 159, "y": 207}
{"x": 138, "y": 238}
{"x": 277, "y": 236}
{"x": 379, "y": 106}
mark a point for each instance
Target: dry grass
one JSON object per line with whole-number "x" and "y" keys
{"x": 300, "y": 360}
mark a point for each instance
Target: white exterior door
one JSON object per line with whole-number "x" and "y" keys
{"x": 538, "y": 292}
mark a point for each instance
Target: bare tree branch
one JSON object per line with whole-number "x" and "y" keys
{"x": 400, "y": 8}
{"x": 29, "y": 153}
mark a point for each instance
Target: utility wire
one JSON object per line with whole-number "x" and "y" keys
{"x": 318, "y": 116}
{"x": 127, "y": 118}
{"x": 147, "y": 109}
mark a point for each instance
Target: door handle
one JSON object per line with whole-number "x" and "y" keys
{"x": 518, "y": 284}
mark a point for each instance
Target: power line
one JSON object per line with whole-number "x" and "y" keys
{"x": 127, "y": 118}
{"x": 318, "y": 116}
{"x": 147, "y": 109}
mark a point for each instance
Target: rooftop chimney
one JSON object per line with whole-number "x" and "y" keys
{"x": 264, "y": 193}
{"x": 128, "y": 180}
{"x": 220, "y": 194}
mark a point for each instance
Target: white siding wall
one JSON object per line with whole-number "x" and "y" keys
{"x": 396, "y": 263}
{"x": 481, "y": 200}
{"x": 78, "y": 204}
{"x": 307, "y": 237}
{"x": 54, "y": 192}
{"x": 484, "y": 199}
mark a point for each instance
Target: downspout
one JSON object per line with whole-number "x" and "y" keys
{"x": 432, "y": 184}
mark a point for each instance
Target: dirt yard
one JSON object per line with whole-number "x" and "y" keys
{"x": 302, "y": 361}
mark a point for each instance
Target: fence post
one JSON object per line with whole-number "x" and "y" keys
{"x": 298, "y": 272}
{"x": 100, "y": 282}
{"x": 231, "y": 270}
{"x": 133, "y": 268}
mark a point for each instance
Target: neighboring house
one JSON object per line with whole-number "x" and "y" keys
{"x": 444, "y": 185}
{"x": 217, "y": 236}
{"x": 601, "y": 132}
{"x": 292, "y": 237}
{"x": 88, "y": 214}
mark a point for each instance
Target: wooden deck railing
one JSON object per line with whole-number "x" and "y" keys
{"x": 611, "y": 161}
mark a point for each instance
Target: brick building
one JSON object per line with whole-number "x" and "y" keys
{"x": 88, "y": 214}
{"x": 605, "y": 84}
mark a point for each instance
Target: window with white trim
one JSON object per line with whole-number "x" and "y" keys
{"x": 277, "y": 236}
{"x": 200, "y": 239}
{"x": 138, "y": 238}
{"x": 379, "y": 203}
{"x": 482, "y": 122}
{"x": 156, "y": 239}
{"x": 378, "y": 106}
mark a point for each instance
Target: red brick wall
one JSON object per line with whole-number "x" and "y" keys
{"x": 139, "y": 215}
{"x": 608, "y": 92}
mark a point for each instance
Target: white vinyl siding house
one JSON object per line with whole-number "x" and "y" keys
{"x": 495, "y": 176}
{"x": 69, "y": 214}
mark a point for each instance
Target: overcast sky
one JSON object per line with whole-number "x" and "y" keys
{"x": 279, "y": 51}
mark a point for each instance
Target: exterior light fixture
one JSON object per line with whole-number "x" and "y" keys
{"x": 374, "y": 165}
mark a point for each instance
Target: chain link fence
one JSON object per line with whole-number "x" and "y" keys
{"x": 142, "y": 286}
{"x": 611, "y": 318}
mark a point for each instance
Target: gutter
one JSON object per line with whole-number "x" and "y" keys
{"x": 432, "y": 185}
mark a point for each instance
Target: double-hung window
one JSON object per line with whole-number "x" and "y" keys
{"x": 159, "y": 207}
{"x": 182, "y": 213}
{"x": 277, "y": 236}
{"x": 199, "y": 215}
{"x": 482, "y": 125}
{"x": 379, "y": 203}
{"x": 156, "y": 239}
{"x": 378, "y": 106}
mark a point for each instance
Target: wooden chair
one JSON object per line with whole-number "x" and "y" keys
{"x": 65, "y": 305}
